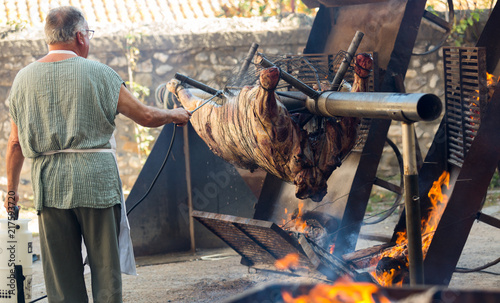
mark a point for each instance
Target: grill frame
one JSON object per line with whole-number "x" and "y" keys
{"x": 260, "y": 243}
{"x": 466, "y": 96}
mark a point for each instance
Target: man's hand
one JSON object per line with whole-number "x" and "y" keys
{"x": 11, "y": 201}
{"x": 180, "y": 116}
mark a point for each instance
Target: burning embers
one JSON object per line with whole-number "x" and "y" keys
{"x": 290, "y": 261}
{"x": 392, "y": 264}
{"x": 491, "y": 83}
{"x": 341, "y": 291}
{"x": 317, "y": 226}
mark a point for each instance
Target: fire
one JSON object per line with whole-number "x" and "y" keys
{"x": 490, "y": 79}
{"x": 439, "y": 201}
{"x": 345, "y": 292}
{"x": 299, "y": 225}
{"x": 429, "y": 225}
{"x": 491, "y": 82}
{"x": 332, "y": 248}
{"x": 290, "y": 261}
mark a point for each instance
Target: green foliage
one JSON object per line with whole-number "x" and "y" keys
{"x": 139, "y": 91}
{"x": 465, "y": 26}
{"x": 431, "y": 9}
{"x": 12, "y": 27}
{"x": 143, "y": 135}
{"x": 467, "y": 21}
{"x": 132, "y": 51}
{"x": 495, "y": 181}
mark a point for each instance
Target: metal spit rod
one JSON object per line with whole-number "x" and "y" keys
{"x": 194, "y": 83}
{"x": 202, "y": 86}
{"x": 206, "y": 101}
{"x": 290, "y": 79}
{"x": 246, "y": 63}
{"x": 395, "y": 106}
{"x": 339, "y": 76}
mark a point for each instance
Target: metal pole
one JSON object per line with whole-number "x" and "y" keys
{"x": 339, "y": 76}
{"x": 289, "y": 78}
{"x": 246, "y": 63}
{"x": 187, "y": 161}
{"x": 194, "y": 83}
{"x": 412, "y": 206}
{"x": 187, "y": 164}
{"x": 395, "y": 106}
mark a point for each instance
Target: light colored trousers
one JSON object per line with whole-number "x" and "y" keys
{"x": 61, "y": 232}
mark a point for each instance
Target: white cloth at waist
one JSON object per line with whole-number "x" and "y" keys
{"x": 72, "y": 150}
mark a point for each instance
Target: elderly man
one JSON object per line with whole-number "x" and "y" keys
{"x": 63, "y": 108}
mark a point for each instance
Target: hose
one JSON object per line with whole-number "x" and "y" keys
{"x": 157, "y": 174}
{"x": 480, "y": 268}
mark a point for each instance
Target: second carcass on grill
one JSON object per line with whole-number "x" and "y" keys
{"x": 254, "y": 129}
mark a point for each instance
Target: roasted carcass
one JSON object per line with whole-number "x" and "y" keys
{"x": 254, "y": 129}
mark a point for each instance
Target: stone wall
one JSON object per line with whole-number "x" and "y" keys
{"x": 209, "y": 56}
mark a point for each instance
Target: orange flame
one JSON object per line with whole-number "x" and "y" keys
{"x": 490, "y": 79}
{"x": 290, "y": 261}
{"x": 332, "y": 248}
{"x": 491, "y": 82}
{"x": 299, "y": 225}
{"x": 439, "y": 201}
{"x": 345, "y": 292}
{"x": 429, "y": 225}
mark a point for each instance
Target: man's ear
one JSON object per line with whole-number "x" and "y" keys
{"x": 79, "y": 37}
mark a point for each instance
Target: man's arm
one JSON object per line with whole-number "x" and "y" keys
{"x": 149, "y": 116}
{"x": 14, "y": 164}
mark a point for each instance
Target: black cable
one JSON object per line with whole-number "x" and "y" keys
{"x": 36, "y": 300}
{"x": 388, "y": 212}
{"x": 480, "y": 268}
{"x": 157, "y": 174}
{"x": 458, "y": 271}
{"x": 451, "y": 16}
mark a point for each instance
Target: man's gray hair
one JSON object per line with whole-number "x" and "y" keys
{"x": 62, "y": 24}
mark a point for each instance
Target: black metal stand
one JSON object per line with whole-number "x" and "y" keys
{"x": 19, "y": 283}
{"x": 412, "y": 206}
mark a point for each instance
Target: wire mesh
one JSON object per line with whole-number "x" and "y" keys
{"x": 315, "y": 70}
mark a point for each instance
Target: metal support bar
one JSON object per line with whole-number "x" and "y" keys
{"x": 412, "y": 206}
{"x": 18, "y": 269}
{"x": 196, "y": 84}
{"x": 246, "y": 62}
{"x": 492, "y": 221}
{"x": 290, "y": 79}
{"x": 187, "y": 163}
{"x": 351, "y": 51}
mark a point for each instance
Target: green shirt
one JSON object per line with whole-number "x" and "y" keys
{"x": 69, "y": 104}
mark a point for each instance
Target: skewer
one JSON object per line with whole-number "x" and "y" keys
{"x": 218, "y": 93}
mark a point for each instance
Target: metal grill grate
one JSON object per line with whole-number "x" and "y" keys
{"x": 465, "y": 95}
{"x": 258, "y": 242}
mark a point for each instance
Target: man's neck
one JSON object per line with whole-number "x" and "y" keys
{"x": 59, "y": 52}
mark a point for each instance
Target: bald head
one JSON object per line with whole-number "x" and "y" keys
{"x": 62, "y": 24}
